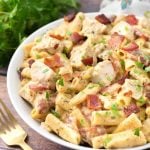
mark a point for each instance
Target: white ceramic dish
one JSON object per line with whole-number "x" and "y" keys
{"x": 23, "y": 108}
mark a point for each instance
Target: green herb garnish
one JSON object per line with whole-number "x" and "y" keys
{"x": 47, "y": 95}
{"x": 56, "y": 114}
{"x": 142, "y": 101}
{"x": 137, "y": 132}
{"x": 82, "y": 122}
{"x": 38, "y": 56}
{"x": 61, "y": 82}
{"x": 108, "y": 78}
{"x": 126, "y": 28}
{"x": 114, "y": 109}
{"x": 139, "y": 64}
{"x": 122, "y": 64}
{"x": 106, "y": 140}
{"x": 68, "y": 33}
{"x": 102, "y": 40}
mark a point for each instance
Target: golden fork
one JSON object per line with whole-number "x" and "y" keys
{"x": 10, "y": 131}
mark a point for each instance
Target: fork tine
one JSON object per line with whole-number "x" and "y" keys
{"x": 4, "y": 121}
{"x": 11, "y": 117}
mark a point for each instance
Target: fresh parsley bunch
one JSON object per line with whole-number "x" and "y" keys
{"x": 19, "y": 18}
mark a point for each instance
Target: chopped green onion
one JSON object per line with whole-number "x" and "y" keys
{"x": 122, "y": 64}
{"x": 114, "y": 109}
{"x": 137, "y": 132}
{"x": 126, "y": 28}
{"x": 82, "y": 122}
{"x": 108, "y": 78}
{"x": 68, "y": 33}
{"x": 142, "y": 101}
{"x": 61, "y": 82}
{"x": 38, "y": 56}
{"x": 102, "y": 40}
{"x": 106, "y": 141}
{"x": 47, "y": 95}
{"x": 139, "y": 64}
{"x": 56, "y": 114}
{"x": 81, "y": 18}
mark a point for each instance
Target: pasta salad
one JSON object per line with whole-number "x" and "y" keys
{"x": 88, "y": 80}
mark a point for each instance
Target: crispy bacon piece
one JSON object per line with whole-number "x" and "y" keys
{"x": 70, "y": 17}
{"x": 132, "y": 108}
{"x": 57, "y": 36}
{"x": 116, "y": 40}
{"x": 128, "y": 94}
{"x": 131, "y": 19}
{"x": 122, "y": 79}
{"x": 53, "y": 61}
{"x": 30, "y": 62}
{"x": 93, "y": 102}
{"x": 103, "y": 19}
{"x": 38, "y": 87}
{"x": 131, "y": 47}
{"x": 77, "y": 38}
{"x": 88, "y": 61}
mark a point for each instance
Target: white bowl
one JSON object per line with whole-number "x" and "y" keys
{"x": 22, "y": 107}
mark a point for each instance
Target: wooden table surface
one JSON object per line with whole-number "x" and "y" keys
{"x": 36, "y": 141}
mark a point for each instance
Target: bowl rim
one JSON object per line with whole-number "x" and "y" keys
{"x": 42, "y": 132}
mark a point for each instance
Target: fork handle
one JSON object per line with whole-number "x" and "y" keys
{"x": 25, "y": 146}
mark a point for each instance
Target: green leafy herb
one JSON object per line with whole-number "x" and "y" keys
{"x": 137, "y": 132}
{"x": 81, "y": 18}
{"x": 147, "y": 69}
{"x": 142, "y": 101}
{"x": 108, "y": 78}
{"x": 126, "y": 28}
{"x": 82, "y": 122}
{"x": 19, "y": 18}
{"x": 114, "y": 109}
{"x": 68, "y": 33}
{"x": 92, "y": 86}
{"x": 102, "y": 40}
{"x": 106, "y": 94}
{"x": 61, "y": 82}
{"x": 122, "y": 64}
{"x": 38, "y": 56}
{"x": 106, "y": 140}
{"x": 101, "y": 83}
{"x": 56, "y": 114}
{"x": 47, "y": 95}
{"x": 139, "y": 64}
{"x": 45, "y": 70}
